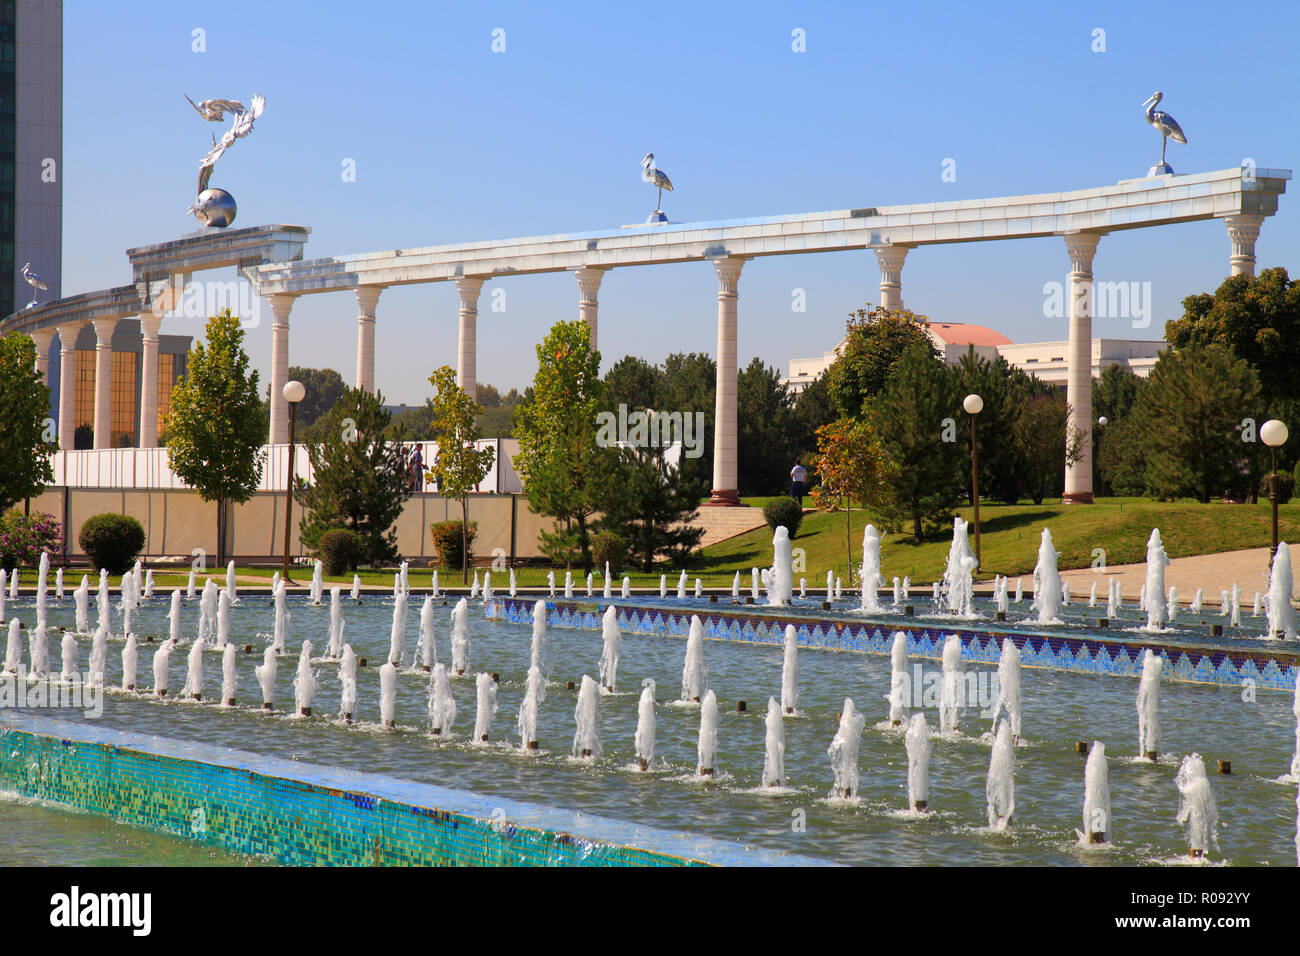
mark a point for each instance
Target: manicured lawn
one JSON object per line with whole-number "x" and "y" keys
{"x": 1009, "y": 545}
{"x": 1010, "y": 537}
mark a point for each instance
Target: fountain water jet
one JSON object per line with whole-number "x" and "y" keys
{"x": 14, "y": 651}
{"x": 774, "y": 746}
{"x": 129, "y": 661}
{"x": 612, "y": 640}
{"x": 953, "y": 685}
{"x": 161, "y": 660}
{"x": 397, "y": 634}
{"x": 388, "y": 695}
{"x": 335, "y": 647}
{"x": 586, "y": 741}
{"x": 1047, "y": 583}
{"x": 1009, "y": 688}
{"x": 1196, "y": 806}
{"x": 486, "y": 707}
{"x": 1153, "y": 598}
{"x": 1148, "y": 706}
{"x": 790, "y": 671}
{"x": 695, "y": 673}
{"x": 843, "y": 751}
{"x": 541, "y": 646}
{"x": 917, "y": 742}
{"x": 707, "y": 748}
{"x": 229, "y": 675}
{"x": 533, "y": 697}
{"x": 781, "y": 590}
{"x": 68, "y": 653}
{"x": 1281, "y": 613}
{"x": 348, "y": 683}
{"x": 304, "y": 681}
{"x": 645, "y": 727}
{"x": 442, "y": 705}
{"x": 899, "y": 683}
{"x": 1096, "y": 795}
{"x": 1000, "y": 790}
{"x": 265, "y": 673}
{"x": 460, "y": 638}
{"x": 193, "y": 688}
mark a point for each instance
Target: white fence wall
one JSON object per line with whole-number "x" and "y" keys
{"x": 147, "y": 468}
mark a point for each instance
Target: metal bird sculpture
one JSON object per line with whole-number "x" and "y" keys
{"x": 33, "y": 280}
{"x": 1167, "y": 126}
{"x": 655, "y": 177}
{"x": 242, "y": 125}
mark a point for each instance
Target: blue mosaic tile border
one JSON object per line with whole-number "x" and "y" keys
{"x": 1275, "y": 670}
{"x": 303, "y": 814}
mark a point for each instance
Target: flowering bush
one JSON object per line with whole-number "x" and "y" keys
{"x": 24, "y": 537}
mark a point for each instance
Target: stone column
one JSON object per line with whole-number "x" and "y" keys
{"x": 103, "y": 382}
{"x": 588, "y": 285}
{"x": 68, "y": 384}
{"x": 280, "y": 307}
{"x": 150, "y": 322}
{"x": 1243, "y": 230}
{"x": 42, "y": 338}
{"x": 725, "y": 471}
{"x": 367, "y": 297}
{"x": 1081, "y": 247}
{"x": 468, "y": 288}
{"x": 891, "y": 260}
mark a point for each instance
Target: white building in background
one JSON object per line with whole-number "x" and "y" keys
{"x": 1046, "y": 361}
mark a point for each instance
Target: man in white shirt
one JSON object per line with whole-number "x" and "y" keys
{"x": 798, "y": 475}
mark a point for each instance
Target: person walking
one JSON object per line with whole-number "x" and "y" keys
{"x": 798, "y": 475}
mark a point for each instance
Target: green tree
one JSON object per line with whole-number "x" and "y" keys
{"x": 689, "y": 385}
{"x": 874, "y": 342}
{"x": 1044, "y": 443}
{"x": 460, "y": 464}
{"x": 559, "y": 461}
{"x": 1005, "y": 391}
{"x": 813, "y": 409}
{"x": 1189, "y": 416}
{"x": 646, "y": 503}
{"x": 26, "y": 438}
{"x": 915, "y": 415}
{"x": 633, "y": 382}
{"x": 361, "y": 479}
{"x": 216, "y": 425}
{"x": 853, "y": 465}
{"x": 1258, "y": 318}
{"x": 1114, "y": 394}
{"x": 767, "y": 439}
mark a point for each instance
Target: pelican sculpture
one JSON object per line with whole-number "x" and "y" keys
{"x": 655, "y": 177}
{"x": 33, "y": 280}
{"x": 1168, "y": 128}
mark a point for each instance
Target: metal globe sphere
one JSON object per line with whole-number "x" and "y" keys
{"x": 973, "y": 404}
{"x": 215, "y": 207}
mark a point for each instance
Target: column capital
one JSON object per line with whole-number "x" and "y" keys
{"x": 367, "y": 299}
{"x": 104, "y": 332}
{"x": 589, "y": 281}
{"x": 1243, "y": 230}
{"x": 149, "y": 326}
{"x": 42, "y": 338}
{"x": 728, "y": 272}
{"x": 281, "y": 305}
{"x": 468, "y": 287}
{"x": 68, "y": 333}
{"x": 1081, "y": 247}
{"x": 890, "y": 259}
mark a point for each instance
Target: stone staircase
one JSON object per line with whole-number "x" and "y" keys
{"x": 719, "y": 524}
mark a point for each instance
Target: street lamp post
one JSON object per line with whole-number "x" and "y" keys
{"x": 294, "y": 392}
{"x": 1274, "y": 433}
{"x": 973, "y": 405}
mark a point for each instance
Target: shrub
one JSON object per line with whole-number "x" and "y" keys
{"x": 112, "y": 541}
{"x": 24, "y": 537}
{"x": 783, "y": 512}
{"x": 447, "y": 542}
{"x": 608, "y": 548}
{"x": 1285, "y": 486}
{"x": 340, "y": 551}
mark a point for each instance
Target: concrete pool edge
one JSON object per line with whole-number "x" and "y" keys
{"x": 304, "y": 814}
{"x": 1117, "y": 656}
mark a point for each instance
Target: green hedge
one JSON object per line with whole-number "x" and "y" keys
{"x": 112, "y": 541}
{"x": 340, "y": 551}
{"x": 783, "y": 512}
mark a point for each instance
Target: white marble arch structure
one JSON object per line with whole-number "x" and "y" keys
{"x": 1242, "y": 197}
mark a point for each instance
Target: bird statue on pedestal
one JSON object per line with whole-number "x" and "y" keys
{"x": 33, "y": 280}
{"x": 659, "y": 179}
{"x": 1169, "y": 129}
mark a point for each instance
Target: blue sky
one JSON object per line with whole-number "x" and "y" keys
{"x": 453, "y": 142}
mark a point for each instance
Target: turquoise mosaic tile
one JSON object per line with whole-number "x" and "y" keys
{"x": 1092, "y": 654}
{"x": 301, "y": 814}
